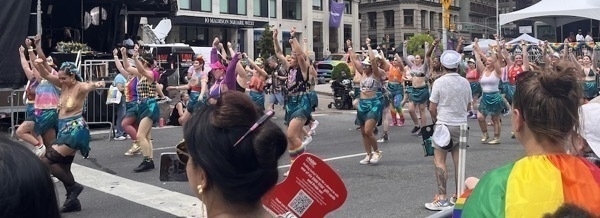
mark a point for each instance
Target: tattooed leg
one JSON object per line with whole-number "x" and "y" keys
{"x": 442, "y": 177}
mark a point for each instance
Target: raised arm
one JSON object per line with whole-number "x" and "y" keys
{"x": 230, "y": 47}
{"x": 405, "y": 54}
{"x": 300, "y": 55}
{"x": 525, "y": 55}
{"x": 353, "y": 59}
{"x": 44, "y": 73}
{"x": 214, "y": 55}
{"x": 478, "y": 60}
{"x": 140, "y": 66}
{"x": 261, "y": 72}
{"x": 506, "y": 55}
{"x": 126, "y": 66}
{"x": 230, "y": 72}
{"x": 25, "y": 64}
{"x": 278, "y": 52}
{"x": 460, "y": 45}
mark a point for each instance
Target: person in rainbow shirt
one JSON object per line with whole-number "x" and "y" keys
{"x": 545, "y": 110}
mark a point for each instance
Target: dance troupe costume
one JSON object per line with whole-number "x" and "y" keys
{"x": 298, "y": 103}
{"x": 131, "y": 98}
{"x": 148, "y": 106}
{"x": 532, "y": 187}
{"x": 473, "y": 77}
{"x": 418, "y": 95}
{"x": 590, "y": 87}
{"x": 256, "y": 93}
{"x": 491, "y": 102}
{"x": 228, "y": 79}
{"x": 370, "y": 108}
{"x": 45, "y": 114}
{"x": 509, "y": 81}
{"x": 32, "y": 85}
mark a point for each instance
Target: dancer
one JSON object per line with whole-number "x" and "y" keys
{"x": 198, "y": 83}
{"x": 25, "y": 130}
{"x": 370, "y": 106}
{"x": 396, "y": 88}
{"x": 297, "y": 102}
{"x": 257, "y": 82}
{"x": 589, "y": 75}
{"x": 225, "y": 77}
{"x": 130, "y": 121}
{"x": 491, "y": 102}
{"x": 418, "y": 92}
{"x": 73, "y": 131}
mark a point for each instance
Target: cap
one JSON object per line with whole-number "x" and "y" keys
{"x": 217, "y": 65}
{"x": 471, "y": 60}
{"x": 589, "y": 125}
{"x": 441, "y": 136}
{"x": 367, "y": 62}
{"x": 450, "y": 59}
{"x": 556, "y": 55}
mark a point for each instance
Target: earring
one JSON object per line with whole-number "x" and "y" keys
{"x": 199, "y": 189}
{"x": 203, "y": 205}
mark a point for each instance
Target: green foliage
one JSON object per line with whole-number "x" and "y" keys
{"x": 340, "y": 71}
{"x": 265, "y": 44}
{"x": 416, "y": 44}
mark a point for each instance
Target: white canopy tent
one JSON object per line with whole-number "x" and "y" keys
{"x": 525, "y": 37}
{"x": 556, "y": 12}
{"x": 484, "y": 45}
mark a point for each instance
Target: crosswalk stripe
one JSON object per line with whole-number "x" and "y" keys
{"x": 158, "y": 198}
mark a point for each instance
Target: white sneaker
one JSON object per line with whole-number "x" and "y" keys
{"x": 128, "y": 137}
{"x": 314, "y": 125}
{"x": 120, "y": 138}
{"x": 313, "y": 132}
{"x": 286, "y": 173}
{"x": 39, "y": 150}
{"x": 366, "y": 161}
{"x": 376, "y": 157}
{"x": 307, "y": 140}
{"x": 438, "y": 205}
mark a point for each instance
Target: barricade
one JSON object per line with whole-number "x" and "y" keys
{"x": 17, "y": 110}
{"x": 97, "y": 112}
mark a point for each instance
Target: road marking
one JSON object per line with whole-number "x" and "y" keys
{"x": 328, "y": 159}
{"x": 168, "y": 201}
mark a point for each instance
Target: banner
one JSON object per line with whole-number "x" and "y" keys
{"x": 336, "y": 13}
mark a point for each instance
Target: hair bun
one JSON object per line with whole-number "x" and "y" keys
{"x": 561, "y": 81}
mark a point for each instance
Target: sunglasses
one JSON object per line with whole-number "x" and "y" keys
{"x": 182, "y": 149}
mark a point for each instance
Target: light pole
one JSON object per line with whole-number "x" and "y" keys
{"x": 497, "y": 19}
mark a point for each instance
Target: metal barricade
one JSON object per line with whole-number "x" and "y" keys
{"x": 97, "y": 113}
{"x": 17, "y": 110}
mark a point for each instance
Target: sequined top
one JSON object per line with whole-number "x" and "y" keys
{"x": 147, "y": 89}
{"x": 131, "y": 92}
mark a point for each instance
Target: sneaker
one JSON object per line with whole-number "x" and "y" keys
{"x": 376, "y": 157}
{"x": 39, "y": 150}
{"x": 415, "y": 129}
{"x": 314, "y": 125}
{"x": 485, "y": 137}
{"x": 438, "y": 205}
{"x": 120, "y": 138}
{"x": 384, "y": 138}
{"x": 306, "y": 141}
{"x": 400, "y": 122}
{"x": 453, "y": 199}
{"x": 135, "y": 149}
{"x": 494, "y": 141}
{"x": 144, "y": 166}
{"x": 128, "y": 137}
{"x": 313, "y": 132}
{"x": 366, "y": 161}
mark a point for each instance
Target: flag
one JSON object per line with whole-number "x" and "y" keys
{"x": 336, "y": 13}
{"x": 532, "y": 187}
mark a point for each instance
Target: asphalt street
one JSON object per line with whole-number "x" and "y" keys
{"x": 396, "y": 187}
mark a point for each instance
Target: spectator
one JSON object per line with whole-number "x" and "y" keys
{"x": 179, "y": 110}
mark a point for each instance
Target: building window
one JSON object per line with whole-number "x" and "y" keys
{"x": 347, "y": 34}
{"x": 409, "y": 17}
{"x": 292, "y": 9}
{"x": 431, "y": 20}
{"x": 372, "y": 20}
{"x": 441, "y": 17}
{"x": 233, "y": 7}
{"x": 423, "y": 19}
{"x": 348, "y": 8}
{"x": 317, "y": 5}
{"x": 195, "y": 5}
{"x": 318, "y": 40}
{"x": 262, "y": 7}
{"x": 333, "y": 40}
{"x": 194, "y": 36}
{"x": 389, "y": 19}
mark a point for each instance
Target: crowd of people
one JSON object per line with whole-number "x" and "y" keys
{"x": 231, "y": 148}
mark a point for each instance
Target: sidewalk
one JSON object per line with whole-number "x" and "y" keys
{"x": 324, "y": 89}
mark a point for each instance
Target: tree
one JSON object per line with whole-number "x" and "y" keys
{"x": 341, "y": 71}
{"x": 416, "y": 44}
{"x": 265, "y": 44}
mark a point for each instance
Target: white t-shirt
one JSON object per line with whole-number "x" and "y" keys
{"x": 452, "y": 94}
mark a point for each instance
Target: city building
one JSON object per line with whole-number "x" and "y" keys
{"x": 242, "y": 22}
{"x": 402, "y": 19}
{"x": 481, "y": 20}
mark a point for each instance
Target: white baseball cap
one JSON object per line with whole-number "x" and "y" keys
{"x": 589, "y": 125}
{"x": 450, "y": 59}
{"x": 441, "y": 136}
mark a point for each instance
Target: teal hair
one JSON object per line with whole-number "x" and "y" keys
{"x": 71, "y": 69}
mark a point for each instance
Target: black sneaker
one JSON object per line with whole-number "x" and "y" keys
{"x": 72, "y": 203}
{"x": 415, "y": 130}
{"x": 144, "y": 166}
{"x": 384, "y": 138}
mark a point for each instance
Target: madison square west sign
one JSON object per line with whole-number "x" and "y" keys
{"x": 233, "y": 22}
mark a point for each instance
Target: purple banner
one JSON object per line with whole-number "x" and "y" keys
{"x": 336, "y": 13}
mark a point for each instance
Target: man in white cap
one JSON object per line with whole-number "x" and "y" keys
{"x": 450, "y": 100}
{"x": 588, "y": 145}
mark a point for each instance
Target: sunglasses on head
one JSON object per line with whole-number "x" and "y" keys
{"x": 182, "y": 149}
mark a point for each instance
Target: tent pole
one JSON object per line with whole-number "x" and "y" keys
{"x": 39, "y": 17}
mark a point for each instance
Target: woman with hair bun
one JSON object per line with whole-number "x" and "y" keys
{"x": 231, "y": 152}
{"x": 544, "y": 114}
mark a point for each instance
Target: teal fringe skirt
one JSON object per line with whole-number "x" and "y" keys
{"x": 491, "y": 103}
{"x": 74, "y": 132}
{"x": 44, "y": 120}
{"x": 298, "y": 106}
{"x": 475, "y": 88}
{"x": 419, "y": 95}
{"x": 258, "y": 98}
{"x": 371, "y": 108}
{"x": 148, "y": 107}
{"x": 590, "y": 89}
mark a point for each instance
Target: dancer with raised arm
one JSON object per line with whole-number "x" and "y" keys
{"x": 73, "y": 133}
